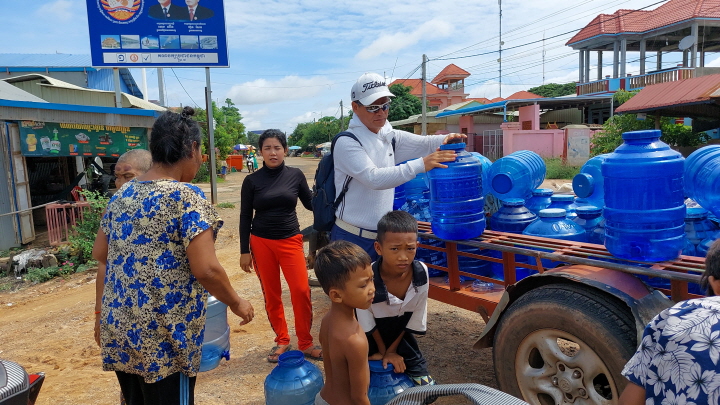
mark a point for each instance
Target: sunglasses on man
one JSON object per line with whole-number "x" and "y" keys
{"x": 375, "y": 107}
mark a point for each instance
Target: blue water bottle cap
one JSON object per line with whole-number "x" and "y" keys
{"x": 291, "y": 358}
{"x": 562, "y": 198}
{"x": 513, "y": 202}
{"x": 453, "y": 146}
{"x": 588, "y": 211}
{"x": 502, "y": 183}
{"x": 552, "y": 213}
{"x": 542, "y": 192}
{"x": 646, "y": 134}
{"x": 583, "y": 184}
{"x": 696, "y": 213}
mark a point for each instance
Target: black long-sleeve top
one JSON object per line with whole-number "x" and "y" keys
{"x": 273, "y": 195}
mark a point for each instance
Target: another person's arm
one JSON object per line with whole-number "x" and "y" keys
{"x": 358, "y": 369}
{"x": 210, "y": 273}
{"x": 246, "y": 216}
{"x": 632, "y": 395}
{"x": 304, "y": 193}
{"x": 99, "y": 253}
{"x": 392, "y": 357}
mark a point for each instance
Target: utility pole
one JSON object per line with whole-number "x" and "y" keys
{"x": 423, "y": 126}
{"x": 342, "y": 117}
{"x": 500, "y": 47}
{"x": 161, "y": 86}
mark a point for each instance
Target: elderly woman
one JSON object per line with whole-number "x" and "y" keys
{"x": 678, "y": 359}
{"x": 157, "y": 240}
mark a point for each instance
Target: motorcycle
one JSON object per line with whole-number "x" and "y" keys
{"x": 250, "y": 162}
{"x": 17, "y": 387}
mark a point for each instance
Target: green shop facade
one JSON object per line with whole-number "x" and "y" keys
{"x": 44, "y": 147}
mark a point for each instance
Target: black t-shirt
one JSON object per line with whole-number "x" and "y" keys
{"x": 272, "y": 194}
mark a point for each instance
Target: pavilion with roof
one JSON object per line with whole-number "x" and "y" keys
{"x": 690, "y": 27}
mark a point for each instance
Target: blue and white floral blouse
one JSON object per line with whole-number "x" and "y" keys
{"x": 153, "y": 308}
{"x": 677, "y": 361}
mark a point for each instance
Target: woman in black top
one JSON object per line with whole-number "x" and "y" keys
{"x": 273, "y": 236}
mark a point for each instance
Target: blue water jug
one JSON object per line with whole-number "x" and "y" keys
{"x": 589, "y": 183}
{"x": 590, "y": 218}
{"x": 385, "y": 383}
{"x": 704, "y": 246}
{"x": 456, "y": 201}
{"x": 473, "y": 265}
{"x": 697, "y": 229}
{"x": 512, "y": 217}
{"x": 702, "y": 177}
{"x": 216, "y": 343}
{"x": 516, "y": 175}
{"x": 553, "y": 223}
{"x": 486, "y": 163}
{"x": 565, "y": 202}
{"x": 293, "y": 381}
{"x": 399, "y": 198}
{"x": 644, "y": 200}
{"x": 420, "y": 210}
{"x": 539, "y": 201}
{"x": 417, "y": 188}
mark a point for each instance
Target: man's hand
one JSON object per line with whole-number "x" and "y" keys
{"x": 246, "y": 262}
{"x": 436, "y": 159}
{"x": 244, "y": 310}
{"x": 454, "y": 138}
{"x": 396, "y": 360}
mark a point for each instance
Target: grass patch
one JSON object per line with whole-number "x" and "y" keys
{"x": 556, "y": 169}
{"x": 226, "y": 205}
{"x": 6, "y": 287}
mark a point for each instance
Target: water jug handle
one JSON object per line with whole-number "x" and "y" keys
{"x": 226, "y": 355}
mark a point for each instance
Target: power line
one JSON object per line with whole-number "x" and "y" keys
{"x": 183, "y": 87}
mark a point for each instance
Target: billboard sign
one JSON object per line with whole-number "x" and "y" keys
{"x": 157, "y": 33}
{"x": 64, "y": 139}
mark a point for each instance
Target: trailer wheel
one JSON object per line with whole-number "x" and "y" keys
{"x": 563, "y": 344}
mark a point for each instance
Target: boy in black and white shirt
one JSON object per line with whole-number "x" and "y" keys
{"x": 399, "y": 309}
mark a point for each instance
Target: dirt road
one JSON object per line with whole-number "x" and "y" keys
{"x": 49, "y": 327}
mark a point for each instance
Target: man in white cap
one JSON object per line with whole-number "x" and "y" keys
{"x": 371, "y": 162}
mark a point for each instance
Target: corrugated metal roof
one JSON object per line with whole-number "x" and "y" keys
{"x": 44, "y": 60}
{"x": 697, "y": 90}
{"x": 550, "y": 102}
{"x": 10, "y": 92}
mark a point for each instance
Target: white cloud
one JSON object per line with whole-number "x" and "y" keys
{"x": 392, "y": 43}
{"x": 262, "y": 91}
{"x": 62, "y": 10}
{"x": 253, "y": 120}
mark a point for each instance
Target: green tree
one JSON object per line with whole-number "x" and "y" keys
{"x": 611, "y": 136}
{"x": 404, "y": 104}
{"x": 228, "y": 129}
{"x": 554, "y": 89}
{"x": 314, "y": 133}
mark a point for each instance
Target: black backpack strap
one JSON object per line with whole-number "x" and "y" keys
{"x": 339, "y": 199}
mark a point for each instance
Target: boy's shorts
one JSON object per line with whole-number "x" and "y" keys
{"x": 319, "y": 400}
{"x": 422, "y": 380}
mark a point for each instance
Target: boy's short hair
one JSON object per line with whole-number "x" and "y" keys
{"x": 396, "y": 222}
{"x": 712, "y": 267}
{"x": 336, "y": 261}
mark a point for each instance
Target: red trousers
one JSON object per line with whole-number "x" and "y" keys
{"x": 269, "y": 257}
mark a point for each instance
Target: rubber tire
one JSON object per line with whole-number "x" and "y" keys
{"x": 603, "y": 323}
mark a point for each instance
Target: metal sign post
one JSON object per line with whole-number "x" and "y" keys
{"x": 211, "y": 137}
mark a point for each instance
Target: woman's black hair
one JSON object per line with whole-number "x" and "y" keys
{"x": 273, "y": 133}
{"x": 173, "y": 135}
{"x": 712, "y": 267}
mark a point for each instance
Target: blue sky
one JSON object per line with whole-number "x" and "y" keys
{"x": 292, "y": 61}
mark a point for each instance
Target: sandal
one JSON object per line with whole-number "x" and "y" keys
{"x": 309, "y": 353}
{"x": 276, "y": 351}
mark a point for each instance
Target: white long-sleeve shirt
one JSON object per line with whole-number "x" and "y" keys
{"x": 372, "y": 167}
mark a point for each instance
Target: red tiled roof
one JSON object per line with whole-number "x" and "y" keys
{"x": 696, "y": 90}
{"x": 416, "y": 85}
{"x": 522, "y": 95}
{"x": 626, "y": 21}
{"x": 481, "y": 100}
{"x": 450, "y": 71}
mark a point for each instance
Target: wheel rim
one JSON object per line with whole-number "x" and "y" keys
{"x": 555, "y": 367}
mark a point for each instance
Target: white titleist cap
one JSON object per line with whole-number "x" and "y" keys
{"x": 368, "y": 88}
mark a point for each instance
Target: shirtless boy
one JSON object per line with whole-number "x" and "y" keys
{"x": 345, "y": 275}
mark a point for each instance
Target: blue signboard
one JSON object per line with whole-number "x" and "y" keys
{"x": 157, "y": 33}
